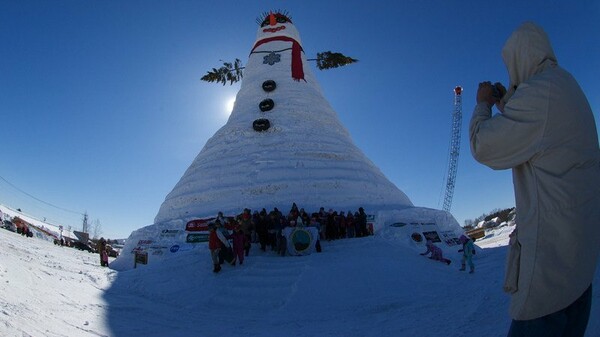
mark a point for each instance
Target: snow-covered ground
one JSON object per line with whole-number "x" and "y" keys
{"x": 373, "y": 286}
{"x": 496, "y": 237}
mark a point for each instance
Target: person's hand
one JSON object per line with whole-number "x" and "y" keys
{"x": 485, "y": 93}
{"x": 491, "y": 94}
{"x": 502, "y": 91}
{"x": 500, "y": 105}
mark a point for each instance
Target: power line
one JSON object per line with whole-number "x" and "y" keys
{"x": 40, "y": 200}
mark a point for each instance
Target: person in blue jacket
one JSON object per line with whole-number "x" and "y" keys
{"x": 468, "y": 250}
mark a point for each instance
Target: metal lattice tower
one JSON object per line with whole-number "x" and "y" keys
{"x": 454, "y": 148}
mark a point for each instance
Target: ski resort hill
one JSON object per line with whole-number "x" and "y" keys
{"x": 372, "y": 286}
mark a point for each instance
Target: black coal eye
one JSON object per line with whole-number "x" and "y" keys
{"x": 265, "y": 23}
{"x": 281, "y": 20}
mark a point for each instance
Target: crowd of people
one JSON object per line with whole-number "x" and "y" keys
{"x": 230, "y": 238}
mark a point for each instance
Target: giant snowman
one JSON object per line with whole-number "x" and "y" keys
{"x": 282, "y": 144}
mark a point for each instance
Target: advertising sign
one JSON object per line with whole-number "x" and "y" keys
{"x": 433, "y": 236}
{"x": 199, "y": 225}
{"x": 196, "y": 237}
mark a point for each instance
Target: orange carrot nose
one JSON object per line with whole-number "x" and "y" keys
{"x": 272, "y": 20}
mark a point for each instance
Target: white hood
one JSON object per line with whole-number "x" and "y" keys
{"x": 530, "y": 45}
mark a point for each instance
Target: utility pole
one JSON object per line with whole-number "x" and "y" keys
{"x": 85, "y": 222}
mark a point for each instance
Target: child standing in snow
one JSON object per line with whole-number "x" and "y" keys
{"x": 214, "y": 245}
{"x": 104, "y": 255}
{"x": 101, "y": 247}
{"x": 467, "y": 251}
{"x": 239, "y": 243}
{"x": 436, "y": 252}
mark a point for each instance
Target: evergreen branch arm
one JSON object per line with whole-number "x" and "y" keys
{"x": 229, "y": 72}
{"x": 328, "y": 60}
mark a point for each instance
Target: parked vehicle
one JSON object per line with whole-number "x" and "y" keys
{"x": 8, "y": 225}
{"x": 111, "y": 251}
{"x": 82, "y": 246}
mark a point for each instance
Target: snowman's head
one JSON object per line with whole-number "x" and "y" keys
{"x": 276, "y": 24}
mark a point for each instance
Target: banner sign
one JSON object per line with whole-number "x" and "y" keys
{"x": 301, "y": 240}
{"x": 433, "y": 236}
{"x": 450, "y": 238}
{"x": 196, "y": 237}
{"x": 141, "y": 258}
{"x": 199, "y": 225}
{"x": 165, "y": 233}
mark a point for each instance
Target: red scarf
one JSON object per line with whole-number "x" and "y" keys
{"x": 297, "y": 70}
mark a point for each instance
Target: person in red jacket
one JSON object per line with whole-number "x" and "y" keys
{"x": 214, "y": 245}
{"x": 239, "y": 243}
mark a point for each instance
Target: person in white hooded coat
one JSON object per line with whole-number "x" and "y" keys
{"x": 545, "y": 133}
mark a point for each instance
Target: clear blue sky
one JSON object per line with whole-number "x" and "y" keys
{"x": 102, "y": 108}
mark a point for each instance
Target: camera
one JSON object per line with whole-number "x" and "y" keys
{"x": 497, "y": 93}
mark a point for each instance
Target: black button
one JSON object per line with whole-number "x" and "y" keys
{"x": 261, "y": 124}
{"x": 266, "y": 105}
{"x": 269, "y": 85}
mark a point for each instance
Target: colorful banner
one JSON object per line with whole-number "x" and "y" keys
{"x": 301, "y": 240}
{"x": 199, "y": 225}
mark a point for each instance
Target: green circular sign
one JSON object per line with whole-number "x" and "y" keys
{"x": 301, "y": 240}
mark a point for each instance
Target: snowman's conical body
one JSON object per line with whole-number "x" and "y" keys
{"x": 305, "y": 156}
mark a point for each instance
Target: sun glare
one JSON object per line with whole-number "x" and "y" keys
{"x": 229, "y": 105}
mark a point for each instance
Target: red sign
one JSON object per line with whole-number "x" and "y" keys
{"x": 199, "y": 225}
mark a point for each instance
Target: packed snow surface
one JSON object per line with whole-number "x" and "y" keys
{"x": 374, "y": 286}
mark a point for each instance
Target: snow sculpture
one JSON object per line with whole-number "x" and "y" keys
{"x": 304, "y": 156}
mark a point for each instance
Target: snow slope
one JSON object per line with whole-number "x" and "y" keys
{"x": 54, "y": 229}
{"x": 374, "y": 286}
